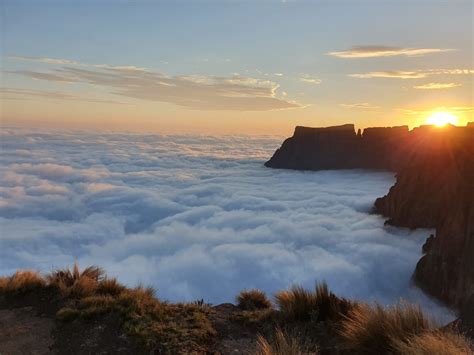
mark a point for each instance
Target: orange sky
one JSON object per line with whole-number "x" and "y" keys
{"x": 230, "y": 70}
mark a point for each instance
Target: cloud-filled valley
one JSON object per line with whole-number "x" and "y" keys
{"x": 197, "y": 217}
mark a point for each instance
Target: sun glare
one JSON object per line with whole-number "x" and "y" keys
{"x": 441, "y": 118}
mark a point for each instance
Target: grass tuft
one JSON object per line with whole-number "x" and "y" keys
{"x": 299, "y": 304}
{"x": 22, "y": 281}
{"x": 110, "y": 287}
{"x": 436, "y": 342}
{"x": 251, "y": 300}
{"x": 376, "y": 329}
{"x": 281, "y": 344}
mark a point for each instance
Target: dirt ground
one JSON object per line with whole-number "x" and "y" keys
{"x": 23, "y": 332}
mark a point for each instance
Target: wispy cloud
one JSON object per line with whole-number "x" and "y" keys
{"x": 385, "y": 51}
{"x": 306, "y": 78}
{"x": 398, "y": 74}
{"x": 414, "y": 74}
{"x": 435, "y": 86}
{"x": 15, "y": 93}
{"x": 360, "y": 106}
{"x": 60, "y": 61}
{"x": 200, "y": 92}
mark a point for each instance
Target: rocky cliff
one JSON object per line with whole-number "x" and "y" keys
{"x": 434, "y": 189}
{"x": 340, "y": 147}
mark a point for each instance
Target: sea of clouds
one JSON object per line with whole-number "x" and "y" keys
{"x": 198, "y": 217}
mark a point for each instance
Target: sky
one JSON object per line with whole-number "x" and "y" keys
{"x": 233, "y": 67}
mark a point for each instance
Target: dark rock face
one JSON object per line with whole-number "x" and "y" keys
{"x": 340, "y": 147}
{"x": 434, "y": 189}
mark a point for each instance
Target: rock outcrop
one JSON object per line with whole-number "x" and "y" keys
{"x": 434, "y": 189}
{"x": 340, "y": 147}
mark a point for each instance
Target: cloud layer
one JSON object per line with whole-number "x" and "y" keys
{"x": 197, "y": 217}
{"x": 199, "y": 92}
{"x": 385, "y": 51}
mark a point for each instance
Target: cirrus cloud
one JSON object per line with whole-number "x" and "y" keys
{"x": 385, "y": 51}
{"x": 436, "y": 86}
{"x": 413, "y": 74}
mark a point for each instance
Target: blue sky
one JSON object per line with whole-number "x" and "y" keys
{"x": 256, "y": 40}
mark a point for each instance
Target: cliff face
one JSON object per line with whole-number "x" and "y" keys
{"x": 340, "y": 147}
{"x": 434, "y": 189}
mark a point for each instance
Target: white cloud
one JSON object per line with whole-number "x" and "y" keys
{"x": 385, "y": 51}
{"x": 197, "y": 217}
{"x": 306, "y": 78}
{"x": 435, "y": 86}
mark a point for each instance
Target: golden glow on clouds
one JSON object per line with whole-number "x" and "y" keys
{"x": 442, "y": 118}
{"x": 435, "y": 86}
{"x": 385, "y": 51}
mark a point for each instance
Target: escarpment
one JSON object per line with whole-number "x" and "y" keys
{"x": 340, "y": 147}
{"x": 434, "y": 189}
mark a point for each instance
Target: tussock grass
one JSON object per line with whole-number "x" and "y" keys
{"x": 435, "y": 343}
{"x": 251, "y": 300}
{"x": 281, "y": 344}
{"x": 22, "y": 281}
{"x": 300, "y": 304}
{"x": 110, "y": 287}
{"x": 377, "y": 329}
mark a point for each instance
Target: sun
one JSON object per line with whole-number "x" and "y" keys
{"x": 442, "y": 118}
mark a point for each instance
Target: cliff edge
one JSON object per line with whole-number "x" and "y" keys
{"x": 340, "y": 147}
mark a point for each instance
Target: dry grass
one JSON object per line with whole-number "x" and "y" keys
{"x": 375, "y": 329}
{"x": 281, "y": 344}
{"x": 22, "y": 281}
{"x": 251, "y": 300}
{"x": 304, "y": 305}
{"x": 160, "y": 326}
{"x": 88, "y": 294}
{"x": 110, "y": 287}
{"x": 435, "y": 343}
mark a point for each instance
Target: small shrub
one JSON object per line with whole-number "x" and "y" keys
{"x": 22, "y": 281}
{"x": 303, "y": 305}
{"x": 436, "y": 342}
{"x": 376, "y": 330}
{"x": 251, "y": 300}
{"x": 282, "y": 344}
